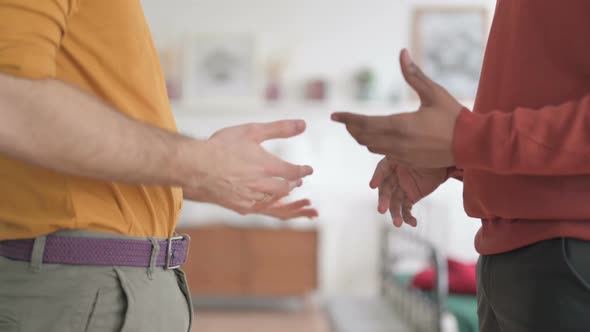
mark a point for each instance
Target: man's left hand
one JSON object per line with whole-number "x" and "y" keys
{"x": 287, "y": 211}
{"x": 401, "y": 187}
{"x": 420, "y": 139}
{"x": 270, "y": 205}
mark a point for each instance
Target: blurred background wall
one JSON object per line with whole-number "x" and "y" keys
{"x": 332, "y": 40}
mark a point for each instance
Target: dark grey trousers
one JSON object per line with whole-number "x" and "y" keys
{"x": 542, "y": 287}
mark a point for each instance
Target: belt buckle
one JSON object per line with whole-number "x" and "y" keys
{"x": 169, "y": 251}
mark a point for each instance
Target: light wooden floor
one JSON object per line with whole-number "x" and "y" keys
{"x": 307, "y": 320}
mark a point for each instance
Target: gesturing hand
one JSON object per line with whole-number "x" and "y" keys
{"x": 420, "y": 139}
{"x": 286, "y": 211}
{"x": 400, "y": 187}
{"x": 240, "y": 175}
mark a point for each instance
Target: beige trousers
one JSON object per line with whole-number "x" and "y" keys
{"x": 64, "y": 298}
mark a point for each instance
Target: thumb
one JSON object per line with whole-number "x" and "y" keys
{"x": 414, "y": 76}
{"x": 279, "y": 129}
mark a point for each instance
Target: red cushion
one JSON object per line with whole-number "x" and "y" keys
{"x": 462, "y": 278}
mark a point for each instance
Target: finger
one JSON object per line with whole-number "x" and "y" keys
{"x": 244, "y": 206}
{"x": 302, "y": 213}
{"x": 280, "y": 168}
{"x": 407, "y": 213}
{"x": 386, "y": 190}
{"x": 276, "y": 186}
{"x": 241, "y": 192}
{"x": 361, "y": 136}
{"x": 381, "y": 171}
{"x": 350, "y": 118}
{"x": 292, "y": 210}
{"x": 273, "y": 200}
{"x": 357, "y": 123}
{"x": 305, "y": 213}
{"x": 295, "y": 205}
{"x": 384, "y": 146}
{"x": 263, "y": 205}
{"x": 382, "y": 128}
{"x": 395, "y": 207}
{"x": 414, "y": 76}
{"x": 355, "y": 131}
{"x": 261, "y": 132}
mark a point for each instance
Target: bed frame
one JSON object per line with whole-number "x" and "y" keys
{"x": 423, "y": 312}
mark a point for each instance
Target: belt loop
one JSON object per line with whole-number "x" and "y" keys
{"x": 37, "y": 253}
{"x": 154, "y": 258}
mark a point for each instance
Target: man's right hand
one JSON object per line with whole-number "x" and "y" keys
{"x": 229, "y": 169}
{"x": 240, "y": 174}
{"x": 400, "y": 187}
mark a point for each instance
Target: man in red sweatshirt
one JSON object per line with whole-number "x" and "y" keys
{"x": 523, "y": 155}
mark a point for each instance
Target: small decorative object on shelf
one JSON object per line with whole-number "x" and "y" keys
{"x": 171, "y": 53}
{"x": 364, "y": 80}
{"x": 273, "y": 90}
{"x": 315, "y": 90}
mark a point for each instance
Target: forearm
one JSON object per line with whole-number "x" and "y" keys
{"x": 549, "y": 141}
{"x": 59, "y": 127}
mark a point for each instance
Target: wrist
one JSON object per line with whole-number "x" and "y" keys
{"x": 191, "y": 162}
{"x": 457, "y": 133}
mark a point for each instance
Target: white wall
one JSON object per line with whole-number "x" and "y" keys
{"x": 332, "y": 38}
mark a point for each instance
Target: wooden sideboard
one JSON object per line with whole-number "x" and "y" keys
{"x": 251, "y": 261}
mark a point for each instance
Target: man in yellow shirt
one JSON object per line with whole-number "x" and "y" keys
{"x": 92, "y": 172}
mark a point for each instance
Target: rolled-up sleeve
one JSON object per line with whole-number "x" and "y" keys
{"x": 31, "y": 32}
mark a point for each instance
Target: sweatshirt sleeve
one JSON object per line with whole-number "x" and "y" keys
{"x": 553, "y": 140}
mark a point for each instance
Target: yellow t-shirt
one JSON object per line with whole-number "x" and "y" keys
{"x": 105, "y": 48}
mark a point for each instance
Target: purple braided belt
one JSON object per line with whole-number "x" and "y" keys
{"x": 101, "y": 251}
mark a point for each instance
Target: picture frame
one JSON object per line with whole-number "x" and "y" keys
{"x": 448, "y": 44}
{"x": 222, "y": 72}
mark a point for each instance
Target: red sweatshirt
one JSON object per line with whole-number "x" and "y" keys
{"x": 525, "y": 150}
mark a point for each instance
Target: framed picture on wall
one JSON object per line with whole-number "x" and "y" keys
{"x": 222, "y": 70}
{"x": 448, "y": 43}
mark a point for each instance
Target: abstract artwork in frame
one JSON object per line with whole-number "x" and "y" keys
{"x": 448, "y": 43}
{"x": 223, "y": 70}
